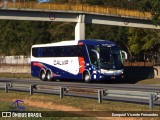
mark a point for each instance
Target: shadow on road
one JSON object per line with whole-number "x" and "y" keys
{"x": 134, "y": 74}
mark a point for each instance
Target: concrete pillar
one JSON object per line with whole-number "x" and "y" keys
{"x": 80, "y": 31}
{"x": 80, "y": 28}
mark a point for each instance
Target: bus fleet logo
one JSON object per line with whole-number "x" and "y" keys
{"x": 16, "y": 106}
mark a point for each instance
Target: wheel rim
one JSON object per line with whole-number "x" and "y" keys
{"x": 87, "y": 78}
{"x": 49, "y": 76}
{"x": 43, "y": 76}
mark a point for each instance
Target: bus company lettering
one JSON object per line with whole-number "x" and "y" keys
{"x": 60, "y": 62}
{"x": 108, "y": 45}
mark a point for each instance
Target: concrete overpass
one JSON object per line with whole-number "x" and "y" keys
{"x": 81, "y": 14}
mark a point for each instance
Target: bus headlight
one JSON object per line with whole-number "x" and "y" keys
{"x": 122, "y": 72}
{"x": 103, "y": 71}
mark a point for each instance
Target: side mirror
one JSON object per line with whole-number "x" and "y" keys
{"x": 124, "y": 55}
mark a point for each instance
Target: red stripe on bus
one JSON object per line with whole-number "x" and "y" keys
{"x": 81, "y": 64}
{"x": 37, "y": 64}
{"x": 54, "y": 75}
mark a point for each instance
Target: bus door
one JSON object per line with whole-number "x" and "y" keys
{"x": 94, "y": 57}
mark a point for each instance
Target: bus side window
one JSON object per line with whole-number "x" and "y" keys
{"x": 58, "y": 51}
{"x": 34, "y": 52}
{"x": 62, "y": 52}
{"x": 52, "y": 51}
{"x": 67, "y": 51}
{"x": 81, "y": 51}
{"x": 74, "y": 51}
{"x": 45, "y": 52}
{"x": 40, "y": 52}
{"x": 48, "y": 52}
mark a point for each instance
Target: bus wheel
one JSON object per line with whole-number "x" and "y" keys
{"x": 49, "y": 77}
{"x": 43, "y": 76}
{"x": 86, "y": 77}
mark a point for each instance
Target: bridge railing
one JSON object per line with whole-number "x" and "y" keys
{"x": 79, "y": 8}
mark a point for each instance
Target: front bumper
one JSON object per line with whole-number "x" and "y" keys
{"x": 111, "y": 77}
{"x": 112, "y": 74}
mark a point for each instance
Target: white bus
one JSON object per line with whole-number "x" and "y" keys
{"x": 88, "y": 60}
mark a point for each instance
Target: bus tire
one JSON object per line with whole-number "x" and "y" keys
{"x": 49, "y": 76}
{"x": 43, "y": 76}
{"x": 86, "y": 77}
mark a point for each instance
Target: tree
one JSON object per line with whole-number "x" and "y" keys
{"x": 61, "y": 31}
{"x": 17, "y": 37}
{"x": 143, "y": 41}
{"x": 152, "y": 6}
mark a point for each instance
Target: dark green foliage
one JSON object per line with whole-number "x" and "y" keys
{"x": 152, "y": 6}
{"x": 62, "y": 31}
{"x": 17, "y": 37}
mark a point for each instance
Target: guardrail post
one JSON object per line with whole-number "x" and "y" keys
{"x": 6, "y": 87}
{"x": 151, "y": 102}
{"x": 31, "y": 90}
{"x": 61, "y": 92}
{"x": 99, "y": 96}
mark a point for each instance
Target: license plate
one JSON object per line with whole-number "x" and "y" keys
{"x": 113, "y": 77}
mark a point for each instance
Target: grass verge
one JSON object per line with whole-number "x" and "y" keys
{"x": 5, "y": 105}
{"x": 154, "y": 81}
{"x": 44, "y": 102}
{"x": 71, "y": 103}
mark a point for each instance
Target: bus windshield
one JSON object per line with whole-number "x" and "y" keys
{"x": 110, "y": 58}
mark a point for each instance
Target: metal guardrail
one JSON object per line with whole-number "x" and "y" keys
{"x": 78, "y": 7}
{"x": 142, "y": 95}
{"x": 100, "y": 94}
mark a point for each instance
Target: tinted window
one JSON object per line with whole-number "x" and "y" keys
{"x": 59, "y": 51}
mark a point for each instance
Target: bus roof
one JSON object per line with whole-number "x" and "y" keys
{"x": 73, "y": 42}
{"x": 96, "y": 42}
{"x": 62, "y": 43}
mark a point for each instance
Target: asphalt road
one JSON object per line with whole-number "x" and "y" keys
{"x": 146, "y": 88}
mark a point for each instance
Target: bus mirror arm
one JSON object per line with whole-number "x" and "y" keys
{"x": 125, "y": 55}
{"x": 97, "y": 53}
{"x": 98, "y": 56}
